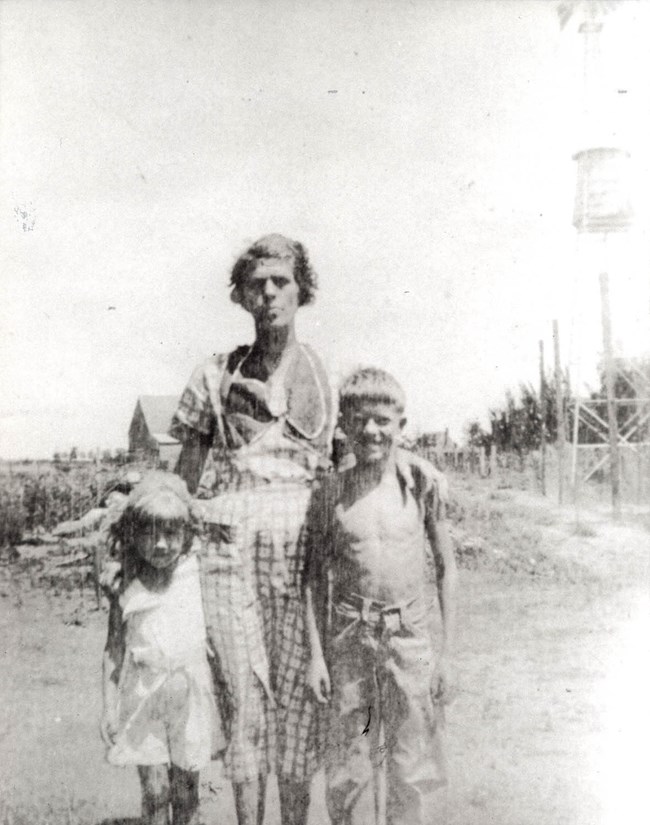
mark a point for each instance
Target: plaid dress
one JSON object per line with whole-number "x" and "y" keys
{"x": 255, "y": 489}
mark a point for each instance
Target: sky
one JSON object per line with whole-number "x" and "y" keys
{"x": 422, "y": 151}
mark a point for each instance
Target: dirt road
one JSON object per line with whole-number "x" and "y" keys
{"x": 547, "y": 727}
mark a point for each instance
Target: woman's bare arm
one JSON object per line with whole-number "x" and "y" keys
{"x": 192, "y": 459}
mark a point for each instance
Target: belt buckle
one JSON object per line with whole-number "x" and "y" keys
{"x": 392, "y": 620}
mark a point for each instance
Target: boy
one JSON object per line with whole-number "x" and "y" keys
{"x": 372, "y": 653}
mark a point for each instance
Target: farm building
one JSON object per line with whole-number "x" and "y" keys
{"x": 148, "y": 437}
{"x": 439, "y": 448}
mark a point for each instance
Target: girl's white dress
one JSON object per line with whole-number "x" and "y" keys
{"x": 166, "y": 707}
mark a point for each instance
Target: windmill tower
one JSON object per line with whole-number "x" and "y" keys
{"x": 602, "y": 208}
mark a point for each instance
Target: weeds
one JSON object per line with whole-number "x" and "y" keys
{"x": 30, "y": 503}
{"x": 493, "y": 531}
{"x": 67, "y": 811}
{"x": 583, "y": 530}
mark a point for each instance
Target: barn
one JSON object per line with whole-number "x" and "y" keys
{"x": 148, "y": 434}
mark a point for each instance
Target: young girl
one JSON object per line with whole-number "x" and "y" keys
{"x": 159, "y": 709}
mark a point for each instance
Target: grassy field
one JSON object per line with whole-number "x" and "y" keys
{"x": 551, "y": 720}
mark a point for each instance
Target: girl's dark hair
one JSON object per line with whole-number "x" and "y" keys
{"x": 275, "y": 246}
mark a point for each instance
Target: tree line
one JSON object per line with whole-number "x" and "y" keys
{"x": 517, "y": 424}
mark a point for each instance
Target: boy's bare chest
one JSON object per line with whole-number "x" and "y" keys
{"x": 387, "y": 516}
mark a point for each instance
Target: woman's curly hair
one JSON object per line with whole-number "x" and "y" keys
{"x": 280, "y": 247}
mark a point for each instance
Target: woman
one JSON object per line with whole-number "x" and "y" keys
{"x": 256, "y": 424}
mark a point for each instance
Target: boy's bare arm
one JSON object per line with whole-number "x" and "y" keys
{"x": 112, "y": 662}
{"x": 446, "y": 582}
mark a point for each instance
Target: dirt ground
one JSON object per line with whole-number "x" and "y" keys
{"x": 551, "y": 722}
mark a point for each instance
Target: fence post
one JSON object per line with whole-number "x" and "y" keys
{"x": 610, "y": 386}
{"x": 542, "y": 416}
{"x": 46, "y": 508}
{"x": 561, "y": 434}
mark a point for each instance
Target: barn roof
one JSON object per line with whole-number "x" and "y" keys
{"x": 158, "y": 411}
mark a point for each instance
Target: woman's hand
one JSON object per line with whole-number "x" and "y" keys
{"x": 318, "y": 679}
{"x": 407, "y": 461}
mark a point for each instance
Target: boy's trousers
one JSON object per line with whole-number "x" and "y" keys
{"x": 383, "y": 715}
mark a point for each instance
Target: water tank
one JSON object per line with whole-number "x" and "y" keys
{"x": 603, "y": 191}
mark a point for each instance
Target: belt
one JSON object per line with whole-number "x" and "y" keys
{"x": 372, "y": 611}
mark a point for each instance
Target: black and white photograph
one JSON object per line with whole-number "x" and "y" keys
{"x": 324, "y": 412}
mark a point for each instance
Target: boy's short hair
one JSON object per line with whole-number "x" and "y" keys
{"x": 281, "y": 248}
{"x": 374, "y": 385}
{"x": 160, "y": 498}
